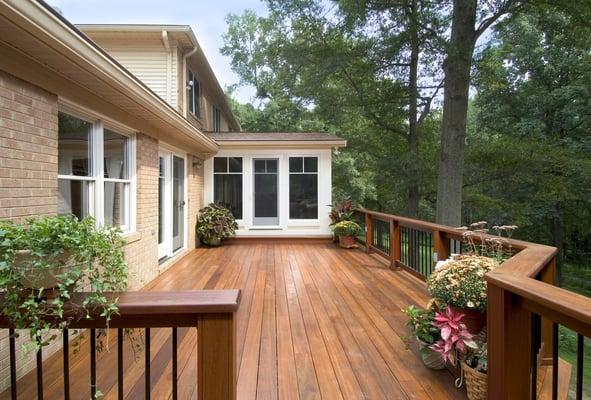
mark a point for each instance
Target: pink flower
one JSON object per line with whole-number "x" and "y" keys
{"x": 454, "y": 335}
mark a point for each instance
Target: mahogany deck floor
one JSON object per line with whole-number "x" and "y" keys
{"x": 315, "y": 322}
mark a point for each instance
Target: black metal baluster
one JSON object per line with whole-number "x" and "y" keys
{"x": 580, "y": 355}
{"x": 92, "y": 364}
{"x": 12, "y": 346}
{"x": 534, "y": 347}
{"x": 174, "y": 363}
{"x": 66, "y": 352}
{"x": 147, "y": 360}
{"x": 40, "y": 374}
{"x": 120, "y": 363}
{"x": 555, "y": 361}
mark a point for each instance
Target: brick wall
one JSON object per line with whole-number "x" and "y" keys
{"x": 28, "y": 187}
{"x": 28, "y": 150}
{"x": 28, "y": 176}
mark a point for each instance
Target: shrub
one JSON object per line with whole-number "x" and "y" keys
{"x": 459, "y": 281}
{"x": 347, "y": 228}
{"x": 215, "y": 223}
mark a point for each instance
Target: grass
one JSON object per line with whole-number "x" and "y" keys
{"x": 576, "y": 278}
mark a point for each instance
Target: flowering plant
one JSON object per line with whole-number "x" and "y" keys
{"x": 459, "y": 281}
{"x": 454, "y": 335}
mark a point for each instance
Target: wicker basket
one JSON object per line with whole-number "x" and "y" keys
{"x": 476, "y": 383}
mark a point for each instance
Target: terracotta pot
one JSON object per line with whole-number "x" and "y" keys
{"x": 473, "y": 319}
{"x": 38, "y": 278}
{"x": 347, "y": 242}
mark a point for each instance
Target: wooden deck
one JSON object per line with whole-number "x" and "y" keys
{"x": 315, "y": 322}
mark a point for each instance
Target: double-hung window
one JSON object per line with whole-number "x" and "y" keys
{"x": 217, "y": 119}
{"x": 194, "y": 95}
{"x": 303, "y": 187}
{"x": 227, "y": 184}
{"x": 94, "y": 172}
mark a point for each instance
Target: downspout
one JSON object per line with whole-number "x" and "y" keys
{"x": 184, "y": 65}
{"x": 166, "y": 44}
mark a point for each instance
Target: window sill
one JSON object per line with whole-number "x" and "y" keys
{"x": 265, "y": 228}
{"x": 303, "y": 222}
{"x": 131, "y": 237}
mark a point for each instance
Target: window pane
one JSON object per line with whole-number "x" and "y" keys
{"x": 311, "y": 164}
{"x": 303, "y": 196}
{"x": 161, "y": 192}
{"x": 115, "y": 204}
{"x": 227, "y": 191}
{"x": 235, "y": 164}
{"x": 259, "y": 165}
{"x": 197, "y": 95}
{"x": 73, "y": 198}
{"x": 295, "y": 164}
{"x": 115, "y": 155}
{"x": 271, "y": 165}
{"x": 220, "y": 164}
{"x": 265, "y": 195}
{"x": 73, "y": 146}
{"x": 190, "y": 96}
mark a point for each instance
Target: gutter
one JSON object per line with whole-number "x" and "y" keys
{"x": 76, "y": 46}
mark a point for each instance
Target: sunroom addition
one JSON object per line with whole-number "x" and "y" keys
{"x": 275, "y": 184}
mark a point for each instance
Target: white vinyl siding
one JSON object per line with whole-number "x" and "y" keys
{"x": 157, "y": 68}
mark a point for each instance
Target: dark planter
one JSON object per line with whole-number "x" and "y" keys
{"x": 214, "y": 242}
{"x": 473, "y": 319}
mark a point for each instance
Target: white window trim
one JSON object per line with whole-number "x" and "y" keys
{"x": 304, "y": 221}
{"x": 96, "y": 143}
{"x": 196, "y": 94}
{"x": 238, "y": 220}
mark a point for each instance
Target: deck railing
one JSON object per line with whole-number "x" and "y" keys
{"x": 210, "y": 311}
{"x": 525, "y": 305}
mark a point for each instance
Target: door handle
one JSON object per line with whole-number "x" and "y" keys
{"x": 182, "y": 203}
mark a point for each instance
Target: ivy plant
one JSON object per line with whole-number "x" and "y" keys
{"x": 77, "y": 255}
{"x": 215, "y": 223}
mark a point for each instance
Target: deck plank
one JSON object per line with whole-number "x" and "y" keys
{"x": 315, "y": 322}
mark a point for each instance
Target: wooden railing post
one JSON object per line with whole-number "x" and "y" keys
{"x": 441, "y": 246}
{"x": 549, "y": 276}
{"x": 509, "y": 346}
{"x": 216, "y": 360}
{"x": 395, "y": 243}
{"x": 368, "y": 232}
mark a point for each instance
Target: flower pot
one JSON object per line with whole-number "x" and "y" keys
{"x": 430, "y": 357}
{"x": 216, "y": 241}
{"x": 473, "y": 319}
{"x": 42, "y": 278}
{"x": 476, "y": 383}
{"x": 347, "y": 242}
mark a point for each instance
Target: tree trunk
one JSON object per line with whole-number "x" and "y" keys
{"x": 413, "y": 128}
{"x": 455, "y": 109}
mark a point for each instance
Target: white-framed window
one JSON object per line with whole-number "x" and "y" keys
{"x": 227, "y": 184}
{"x": 194, "y": 95}
{"x": 95, "y": 171}
{"x": 303, "y": 187}
{"x": 217, "y": 119}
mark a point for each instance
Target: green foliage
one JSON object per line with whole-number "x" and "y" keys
{"x": 347, "y": 228}
{"x": 421, "y": 325}
{"x": 215, "y": 223}
{"x": 80, "y": 256}
{"x": 342, "y": 211}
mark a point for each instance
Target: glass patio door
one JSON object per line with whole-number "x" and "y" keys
{"x": 171, "y": 203}
{"x": 266, "y": 196}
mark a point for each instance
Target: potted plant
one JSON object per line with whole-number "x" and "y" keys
{"x": 455, "y": 337}
{"x": 475, "y": 369}
{"x": 347, "y": 231}
{"x": 341, "y": 211}
{"x": 423, "y": 329}
{"x": 214, "y": 224}
{"x": 459, "y": 282}
{"x": 44, "y": 261}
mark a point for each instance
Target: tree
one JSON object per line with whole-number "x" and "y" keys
{"x": 469, "y": 21}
